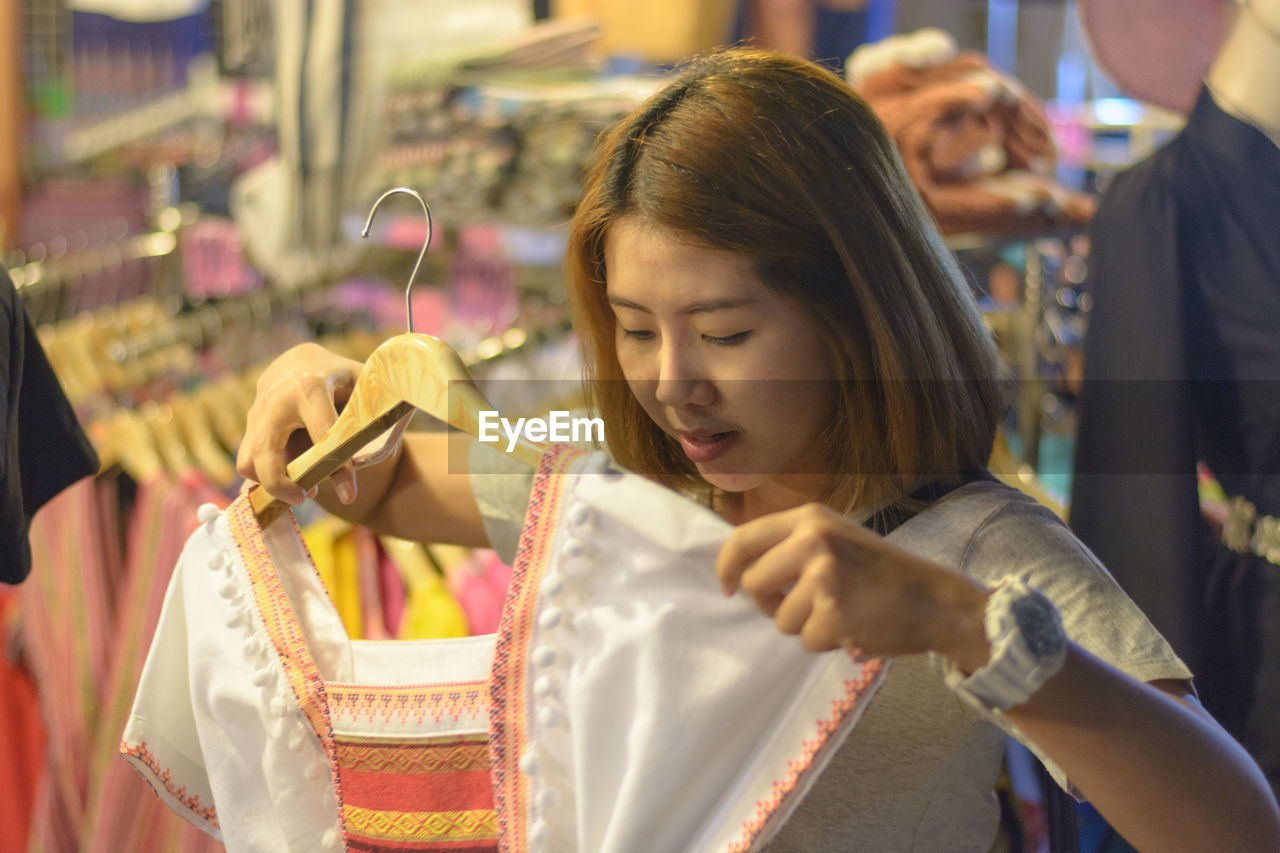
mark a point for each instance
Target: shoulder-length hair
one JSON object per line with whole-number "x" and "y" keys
{"x": 777, "y": 159}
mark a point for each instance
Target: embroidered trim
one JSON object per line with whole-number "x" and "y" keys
{"x": 461, "y": 755}
{"x": 409, "y": 704}
{"x": 283, "y": 629}
{"x": 191, "y": 802}
{"x": 783, "y": 788}
{"x": 478, "y": 825}
{"x": 507, "y": 740}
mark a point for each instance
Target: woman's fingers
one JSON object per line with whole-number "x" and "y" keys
{"x": 263, "y": 453}
{"x": 295, "y": 395}
{"x": 319, "y": 414}
{"x": 748, "y": 542}
{"x": 811, "y": 608}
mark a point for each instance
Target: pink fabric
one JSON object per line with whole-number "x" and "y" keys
{"x": 368, "y": 558}
{"x": 391, "y": 586}
{"x": 88, "y": 615}
{"x": 66, "y": 617}
{"x": 480, "y": 586}
{"x": 124, "y": 814}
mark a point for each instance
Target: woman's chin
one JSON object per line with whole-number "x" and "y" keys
{"x": 730, "y": 481}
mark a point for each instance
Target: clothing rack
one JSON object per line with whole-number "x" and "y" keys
{"x": 45, "y": 270}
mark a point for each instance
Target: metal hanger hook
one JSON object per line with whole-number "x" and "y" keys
{"x": 408, "y": 291}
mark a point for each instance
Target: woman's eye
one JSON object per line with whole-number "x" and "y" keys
{"x": 728, "y": 340}
{"x": 637, "y": 334}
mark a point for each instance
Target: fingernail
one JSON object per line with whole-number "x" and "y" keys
{"x": 346, "y": 493}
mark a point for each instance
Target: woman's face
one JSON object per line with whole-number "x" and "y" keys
{"x": 734, "y": 371}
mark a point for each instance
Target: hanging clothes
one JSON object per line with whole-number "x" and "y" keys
{"x": 87, "y": 615}
{"x": 123, "y": 813}
{"x": 67, "y": 608}
{"x": 262, "y": 722}
{"x": 257, "y": 714}
{"x": 1181, "y": 365}
{"x": 42, "y": 447}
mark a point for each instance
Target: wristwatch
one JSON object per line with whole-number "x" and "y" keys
{"x": 1028, "y": 646}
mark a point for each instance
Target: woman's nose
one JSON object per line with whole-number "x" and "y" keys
{"x": 681, "y": 380}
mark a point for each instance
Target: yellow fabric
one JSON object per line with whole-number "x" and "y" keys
{"x": 430, "y": 610}
{"x": 333, "y": 550}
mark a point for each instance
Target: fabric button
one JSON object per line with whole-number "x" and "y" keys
{"x": 552, "y": 585}
{"x": 580, "y": 515}
{"x": 314, "y": 772}
{"x": 545, "y": 799}
{"x": 596, "y": 463}
{"x": 576, "y": 549}
{"x": 234, "y": 618}
{"x": 208, "y": 513}
{"x": 543, "y": 685}
{"x": 548, "y": 717}
{"x": 297, "y": 739}
{"x": 544, "y": 656}
{"x": 538, "y": 832}
{"x": 279, "y": 707}
{"x": 227, "y": 590}
{"x": 253, "y": 648}
{"x": 331, "y": 838}
{"x": 549, "y": 618}
{"x": 264, "y": 676}
{"x": 529, "y": 762}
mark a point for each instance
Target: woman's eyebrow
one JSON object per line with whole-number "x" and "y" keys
{"x": 704, "y": 307}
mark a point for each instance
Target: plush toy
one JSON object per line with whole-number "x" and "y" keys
{"x": 974, "y": 141}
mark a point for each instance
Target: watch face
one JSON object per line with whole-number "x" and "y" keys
{"x": 1041, "y": 631}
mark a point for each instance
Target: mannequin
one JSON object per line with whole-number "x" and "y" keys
{"x": 1181, "y": 366}
{"x": 1243, "y": 75}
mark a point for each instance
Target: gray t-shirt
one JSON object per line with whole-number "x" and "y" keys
{"x": 918, "y": 771}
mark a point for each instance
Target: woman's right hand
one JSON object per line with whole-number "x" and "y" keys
{"x": 296, "y": 403}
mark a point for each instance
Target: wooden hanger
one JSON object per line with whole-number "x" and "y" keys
{"x": 224, "y": 410}
{"x": 121, "y": 438}
{"x": 407, "y": 372}
{"x": 197, "y": 431}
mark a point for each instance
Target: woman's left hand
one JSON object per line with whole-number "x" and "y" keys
{"x": 837, "y": 584}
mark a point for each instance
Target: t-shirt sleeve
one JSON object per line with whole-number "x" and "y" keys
{"x": 501, "y": 486}
{"x": 42, "y": 447}
{"x": 161, "y": 739}
{"x": 1027, "y": 539}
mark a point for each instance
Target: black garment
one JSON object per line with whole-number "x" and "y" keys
{"x": 1182, "y": 363}
{"x": 44, "y": 448}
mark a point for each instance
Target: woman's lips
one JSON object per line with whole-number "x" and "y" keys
{"x": 702, "y": 448}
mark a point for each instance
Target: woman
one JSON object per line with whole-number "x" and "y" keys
{"x": 771, "y": 322}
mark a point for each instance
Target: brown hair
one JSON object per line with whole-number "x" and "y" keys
{"x": 777, "y": 159}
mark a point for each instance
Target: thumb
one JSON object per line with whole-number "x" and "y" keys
{"x": 344, "y": 484}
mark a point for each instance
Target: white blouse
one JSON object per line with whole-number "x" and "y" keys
{"x": 628, "y": 705}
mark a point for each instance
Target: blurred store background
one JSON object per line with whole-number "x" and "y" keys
{"x": 182, "y": 188}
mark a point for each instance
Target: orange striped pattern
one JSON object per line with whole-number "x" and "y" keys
{"x": 511, "y": 652}
{"x": 432, "y": 794}
{"x": 409, "y": 789}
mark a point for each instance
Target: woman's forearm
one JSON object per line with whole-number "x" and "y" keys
{"x": 1163, "y": 773}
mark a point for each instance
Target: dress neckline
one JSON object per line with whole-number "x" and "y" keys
{"x": 314, "y": 646}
